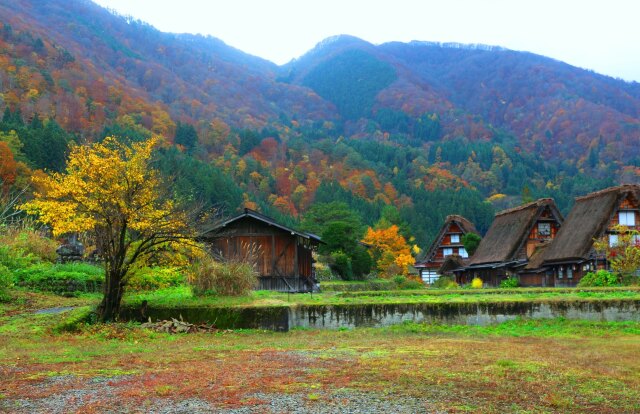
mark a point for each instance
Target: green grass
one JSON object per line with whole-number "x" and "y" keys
{"x": 183, "y": 297}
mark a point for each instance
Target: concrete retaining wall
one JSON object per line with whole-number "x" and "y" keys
{"x": 376, "y": 315}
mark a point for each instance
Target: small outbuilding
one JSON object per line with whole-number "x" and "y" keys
{"x": 281, "y": 255}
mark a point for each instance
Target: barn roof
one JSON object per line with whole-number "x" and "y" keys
{"x": 509, "y": 231}
{"x": 466, "y": 226}
{"x": 588, "y": 220}
{"x": 265, "y": 219}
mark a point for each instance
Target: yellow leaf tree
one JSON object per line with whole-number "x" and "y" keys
{"x": 390, "y": 250}
{"x": 111, "y": 190}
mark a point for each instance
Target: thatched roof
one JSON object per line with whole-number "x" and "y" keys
{"x": 588, "y": 220}
{"x": 465, "y": 225}
{"x": 536, "y": 259}
{"x": 452, "y": 263}
{"x": 509, "y": 231}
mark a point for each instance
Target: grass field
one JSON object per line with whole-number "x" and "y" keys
{"x": 521, "y": 366}
{"x": 181, "y": 296}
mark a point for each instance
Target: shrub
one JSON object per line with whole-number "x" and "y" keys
{"x": 411, "y": 284}
{"x": 15, "y": 259}
{"x": 445, "y": 282}
{"x": 154, "y": 278}
{"x": 341, "y": 264}
{"x": 510, "y": 282}
{"x": 30, "y": 243}
{"x": 599, "y": 278}
{"x": 62, "y": 279}
{"x": 402, "y": 282}
{"x": 399, "y": 279}
{"x": 6, "y": 282}
{"x": 225, "y": 279}
{"x": 361, "y": 262}
{"x": 323, "y": 272}
{"x": 476, "y": 283}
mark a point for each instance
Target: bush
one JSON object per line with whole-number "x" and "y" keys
{"x": 445, "y": 282}
{"x": 404, "y": 283}
{"x": 225, "y": 279}
{"x": 15, "y": 259}
{"x": 600, "y": 278}
{"x": 6, "y": 282}
{"x": 361, "y": 262}
{"x": 510, "y": 282}
{"x": 62, "y": 279}
{"x": 30, "y": 243}
{"x": 341, "y": 264}
{"x": 154, "y": 278}
{"x": 323, "y": 272}
{"x": 476, "y": 283}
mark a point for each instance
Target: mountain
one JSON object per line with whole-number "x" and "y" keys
{"x": 553, "y": 108}
{"x": 425, "y": 129}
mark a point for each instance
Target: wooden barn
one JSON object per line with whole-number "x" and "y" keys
{"x": 571, "y": 255}
{"x": 281, "y": 255}
{"x": 512, "y": 240}
{"x": 446, "y": 248}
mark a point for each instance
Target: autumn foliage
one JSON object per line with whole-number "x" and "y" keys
{"x": 390, "y": 250}
{"x": 110, "y": 190}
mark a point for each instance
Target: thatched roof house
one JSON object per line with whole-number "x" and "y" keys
{"x": 448, "y": 243}
{"x": 511, "y": 240}
{"x": 571, "y": 254}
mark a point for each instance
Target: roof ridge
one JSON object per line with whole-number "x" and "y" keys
{"x": 536, "y": 203}
{"x": 617, "y": 188}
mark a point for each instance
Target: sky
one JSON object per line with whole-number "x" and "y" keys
{"x": 603, "y": 36}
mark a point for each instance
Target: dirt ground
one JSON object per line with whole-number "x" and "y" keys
{"x": 522, "y": 366}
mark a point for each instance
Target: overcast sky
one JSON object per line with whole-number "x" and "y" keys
{"x": 600, "y": 35}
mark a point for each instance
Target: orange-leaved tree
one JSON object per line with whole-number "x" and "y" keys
{"x": 111, "y": 190}
{"x": 390, "y": 250}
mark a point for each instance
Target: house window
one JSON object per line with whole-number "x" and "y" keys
{"x": 627, "y": 218}
{"x": 544, "y": 229}
{"x": 613, "y": 240}
{"x": 429, "y": 276}
{"x": 455, "y": 238}
{"x": 463, "y": 253}
{"x": 635, "y": 240}
{"x": 447, "y": 252}
{"x": 569, "y": 272}
{"x": 560, "y": 272}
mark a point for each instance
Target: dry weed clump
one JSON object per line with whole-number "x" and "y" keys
{"x": 234, "y": 278}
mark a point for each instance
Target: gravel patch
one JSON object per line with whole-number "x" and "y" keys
{"x": 348, "y": 402}
{"x": 52, "y": 311}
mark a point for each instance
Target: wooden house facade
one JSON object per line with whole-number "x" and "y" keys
{"x": 571, "y": 255}
{"x": 281, "y": 255}
{"x": 515, "y": 236}
{"x": 446, "y": 247}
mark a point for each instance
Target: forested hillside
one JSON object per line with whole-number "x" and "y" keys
{"x": 423, "y": 129}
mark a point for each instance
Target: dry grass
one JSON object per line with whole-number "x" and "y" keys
{"x": 557, "y": 366}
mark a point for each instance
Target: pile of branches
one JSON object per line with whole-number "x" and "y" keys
{"x": 178, "y": 326}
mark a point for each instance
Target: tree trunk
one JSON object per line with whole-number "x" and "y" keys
{"x": 109, "y": 308}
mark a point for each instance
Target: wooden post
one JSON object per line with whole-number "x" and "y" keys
{"x": 273, "y": 255}
{"x": 295, "y": 259}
